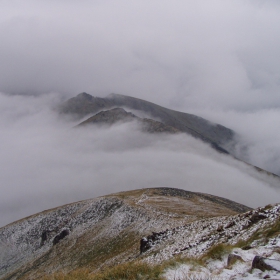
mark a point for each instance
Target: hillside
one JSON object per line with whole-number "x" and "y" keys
{"x": 101, "y": 232}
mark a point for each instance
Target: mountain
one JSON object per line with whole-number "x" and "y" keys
{"x": 146, "y": 226}
{"x": 114, "y": 108}
{"x": 100, "y": 232}
{"x": 215, "y": 134}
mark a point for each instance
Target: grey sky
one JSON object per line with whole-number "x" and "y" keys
{"x": 192, "y": 53}
{"x": 218, "y": 59}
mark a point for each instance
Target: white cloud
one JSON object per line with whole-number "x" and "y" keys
{"x": 215, "y": 53}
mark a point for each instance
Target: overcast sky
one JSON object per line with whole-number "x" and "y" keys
{"x": 218, "y": 59}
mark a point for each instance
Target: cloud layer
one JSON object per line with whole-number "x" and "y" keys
{"x": 46, "y": 163}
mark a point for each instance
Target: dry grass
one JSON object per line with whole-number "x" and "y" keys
{"x": 274, "y": 230}
{"x": 104, "y": 250}
{"x": 217, "y": 252}
{"x": 128, "y": 271}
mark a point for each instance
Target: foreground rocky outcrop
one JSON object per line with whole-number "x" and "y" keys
{"x": 243, "y": 246}
{"x": 194, "y": 239}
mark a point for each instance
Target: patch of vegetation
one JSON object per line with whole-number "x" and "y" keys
{"x": 127, "y": 271}
{"x": 104, "y": 250}
{"x": 274, "y": 230}
{"x": 216, "y": 252}
{"x": 178, "y": 260}
{"x": 133, "y": 271}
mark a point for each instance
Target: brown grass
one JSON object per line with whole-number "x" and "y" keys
{"x": 128, "y": 271}
{"x": 216, "y": 252}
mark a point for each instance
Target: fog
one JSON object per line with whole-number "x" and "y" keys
{"x": 217, "y": 59}
{"x": 45, "y": 162}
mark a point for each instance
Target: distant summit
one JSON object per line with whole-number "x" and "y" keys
{"x": 84, "y": 96}
{"x": 217, "y": 135}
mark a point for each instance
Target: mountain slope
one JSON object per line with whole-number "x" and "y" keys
{"x": 217, "y": 135}
{"x": 100, "y": 232}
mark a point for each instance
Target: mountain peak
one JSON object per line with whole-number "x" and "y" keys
{"x": 85, "y": 96}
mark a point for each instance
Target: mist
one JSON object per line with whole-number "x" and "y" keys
{"x": 45, "y": 162}
{"x": 217, "y": 59}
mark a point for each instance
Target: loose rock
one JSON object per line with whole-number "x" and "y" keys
{"x": 233, "y": 258}
{"x": 265, "y": 264}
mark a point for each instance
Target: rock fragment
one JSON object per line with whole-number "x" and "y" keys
{"x": 265, "y": 264}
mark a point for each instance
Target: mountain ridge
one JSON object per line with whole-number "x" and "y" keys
{"x": 32, "y": 246}
{"x": 215, "y": 134}
{"x": 144, "y": 226}
{"x": 85, "y": 104}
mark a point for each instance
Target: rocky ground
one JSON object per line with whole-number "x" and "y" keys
{"x": 243, "y": 246}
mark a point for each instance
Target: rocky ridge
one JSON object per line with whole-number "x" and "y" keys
{"x": 244, "y": 246}
{"x": 100, "y": 232}
{"x": 148, "y": 225}
{"x": 216, "y": 135}
{"x": 193, "y": 240}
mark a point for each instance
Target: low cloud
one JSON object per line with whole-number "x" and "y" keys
{"x": 46, "y": 163}
{"x": 257, "y": 134}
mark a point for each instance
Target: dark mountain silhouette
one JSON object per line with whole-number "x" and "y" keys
{"x": 215, "y": 134}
